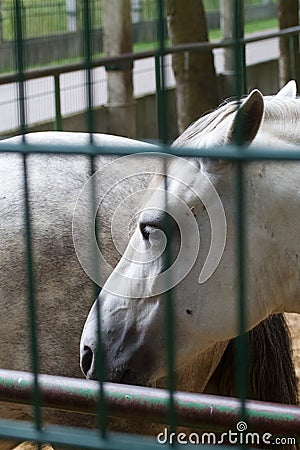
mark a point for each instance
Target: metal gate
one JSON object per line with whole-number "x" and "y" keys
{"x": 80, "y": 395}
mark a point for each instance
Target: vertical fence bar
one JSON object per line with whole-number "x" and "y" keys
{"x": 88, "y": 66}
{"x": 58, "y": 117}
{"x": 241, "y": 349}
{"x": 159, "y": 100}
{"x": 292, "y": 49}
{"x": 36, "y": 396}
{"x": 163, "y": 136}
{"x": 239, "y": 49}
{"x": 100, "y": 357}
{"x": 19, "y": 53}
{"x": 161, "y": 96}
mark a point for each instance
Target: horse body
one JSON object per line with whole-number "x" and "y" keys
{"x": 54, "y": 184}
{"x": 63, "y": 291}
{"x": 205, "y": 309}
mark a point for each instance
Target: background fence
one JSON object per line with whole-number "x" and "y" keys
{"x": 56, "y": 95}
{"x": 60, "y": 16}
{"x": 49, "y": 38}
{"x": 52, "y": 30}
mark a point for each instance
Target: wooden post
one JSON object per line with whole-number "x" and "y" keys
{"x": 117, "y": 39}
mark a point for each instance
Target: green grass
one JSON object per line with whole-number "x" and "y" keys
{"x": 214, "y": 5}
{"x": 43, "y": 18}
{"x": 143, "y": 46}
{"x": 261, "y": 25}
{"x": 251, "y": 27}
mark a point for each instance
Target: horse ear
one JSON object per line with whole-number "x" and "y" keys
{"x": 247, "y": 120}
{"x": 289, "y": 90}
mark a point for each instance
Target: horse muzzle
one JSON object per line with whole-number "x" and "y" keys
{"x": 128, "y": 372}
{"x": 120, "y": 356}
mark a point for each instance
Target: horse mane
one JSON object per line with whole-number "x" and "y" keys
{"x": 282, "y": 109}
{"x": 207, "y": 124}
{"x": 272, "y": 376}
{"x": 280, "y": 116}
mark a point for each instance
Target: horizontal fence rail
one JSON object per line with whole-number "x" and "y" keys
{"x": 229, "y": 152}
{"x": 60, "y": 104}
{"x": 89, "y": 439}
{"x": 192, "y": 410}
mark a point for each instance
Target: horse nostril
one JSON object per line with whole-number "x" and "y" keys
{"x": 86, "y": 359}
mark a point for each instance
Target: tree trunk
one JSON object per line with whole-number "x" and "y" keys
{"x": 117, "y": 39}
{"x": 194, "y": 71}
{"x": 289, "y": 61}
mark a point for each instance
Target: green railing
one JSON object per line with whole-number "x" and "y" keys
{"x": 35, "y": 388}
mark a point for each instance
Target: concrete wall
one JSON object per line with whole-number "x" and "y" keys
{"x": 263, "y": 76}
{"x": 145, "y": 113}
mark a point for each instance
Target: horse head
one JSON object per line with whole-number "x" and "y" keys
{"x": 184, "y": 245}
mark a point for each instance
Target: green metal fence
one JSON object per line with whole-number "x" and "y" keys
{"x": 52, "y": 28}
{"x": 55, "y": 16}
{"x": 95, "y": 397}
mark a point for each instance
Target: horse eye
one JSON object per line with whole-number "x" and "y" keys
{"x": 145, "y": 230}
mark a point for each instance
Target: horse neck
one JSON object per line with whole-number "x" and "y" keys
{"x": 273, "y": 206}
{"x": 280, "y": 126}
